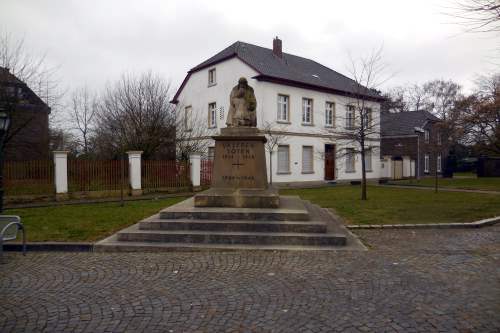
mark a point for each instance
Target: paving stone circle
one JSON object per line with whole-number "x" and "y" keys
{"x": 408, "y": 281}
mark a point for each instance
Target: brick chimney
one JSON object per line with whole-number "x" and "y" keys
{"x": 277, "y": 51}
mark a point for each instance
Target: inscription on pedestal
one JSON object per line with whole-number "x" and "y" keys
{"x": 243, "y": 150}
{"x": 239, "y": 164}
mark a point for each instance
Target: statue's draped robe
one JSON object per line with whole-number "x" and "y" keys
{"x": 242, "y": 105}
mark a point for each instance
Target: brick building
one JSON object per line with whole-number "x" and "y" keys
{"x": 28, "y": 135}
{"x": 411, "y": 145}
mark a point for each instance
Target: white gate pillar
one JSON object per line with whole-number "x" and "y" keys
{"x": 195, "y": 168}
{"x": 61, "y": 173}
{"x": 134, "y": 171}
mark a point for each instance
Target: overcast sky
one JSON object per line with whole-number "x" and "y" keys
{"x": 95, "y": 41}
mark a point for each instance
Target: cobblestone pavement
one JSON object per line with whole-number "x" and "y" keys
{"x": 425, "y": 280}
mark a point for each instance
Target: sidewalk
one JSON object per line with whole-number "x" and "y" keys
{"x": 446, "y": 189}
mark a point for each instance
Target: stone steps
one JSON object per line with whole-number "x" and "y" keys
{"x": 134, "y": 234}
{"x": 295, "y": 225}
{"x": 156, "y": 223}
{"x": 291, "y": 209}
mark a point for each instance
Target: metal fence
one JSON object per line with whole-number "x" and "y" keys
{"x": 164, "y": 174}
{"x": 97, "y": 175}
{"x": 29, "y": 177}
{"x": 206, "y": 172}
{"x": 37, "y": 177}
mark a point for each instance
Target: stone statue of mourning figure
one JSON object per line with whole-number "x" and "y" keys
{"x": 239, "y": 176}
{"x": 242, "y": 106}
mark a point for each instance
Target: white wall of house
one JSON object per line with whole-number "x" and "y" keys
{"x": 198, "y": 94}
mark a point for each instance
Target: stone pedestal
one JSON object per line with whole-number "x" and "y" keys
{"x": 239, "y": 172}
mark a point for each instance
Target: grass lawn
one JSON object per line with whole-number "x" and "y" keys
{"x": 487, "y": 183}
{"x": 387, "y": 205}
{"x": 85, "y": 222}
{"x": 465, "y": 174}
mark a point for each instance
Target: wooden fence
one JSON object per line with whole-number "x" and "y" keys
{"x": 164, "y": 174}
{"x": 206, "y": 172}
{"x": 97, "y": 175}
{"x": 29, "y": 177}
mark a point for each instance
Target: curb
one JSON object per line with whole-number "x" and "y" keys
{"x": 89, "y": 247}
{"x": 97, "y": 201}
{"x": 469, "y": 225}
{"x": 50, "y": 246}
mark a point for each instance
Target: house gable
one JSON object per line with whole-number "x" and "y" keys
{"x": 286, "y": 69}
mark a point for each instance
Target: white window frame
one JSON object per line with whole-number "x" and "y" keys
{"x": 212, "y": 77}
{"x": 369, "y": 159}
{"x": 188, "y": 118}
{"x": 427, "y": 136}
{"x": 280, "y": 168}
{"x": 304, "y": 166}
{"x": 438, "y": 163}
{"x": 283, "y": 114}
{"x": 426, "y": 163}
{"x": 350, "y": 116}
{"x": 212, "y": 115}
{"x": 350, "y": 160}
{"x": 329, "y": 114}
{"x": 307, "y": 111}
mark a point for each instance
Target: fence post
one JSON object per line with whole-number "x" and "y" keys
{"x": 61, "y": 174}
{"x": 195, "y": 169}
{"x": 134, "y": 171}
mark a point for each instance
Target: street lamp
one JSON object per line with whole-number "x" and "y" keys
{"x": 4, "y": 126}
{"x": 418, "y": 131}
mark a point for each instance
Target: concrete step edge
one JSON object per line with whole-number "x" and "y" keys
{"x": 126, "y": 246}
{"x": 255, "y": 222}
{"x": 231, "y": 233}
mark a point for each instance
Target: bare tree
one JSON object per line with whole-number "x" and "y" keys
{"x": 275, "y": 136}
{"x": 31, "y": 68}
{"x": 22, "y": 69}
{"x": 477, "y": 15}
{"x": 83, "y": 110}
{"x": 192, "y": 132}
{"x": 361, "y": 130}
{"x": 409, "y": 97}
{"x": 135, "y": 114}
{"x": 395, "y": 100}
{"x": 481, "y": 115}
{"x": 62, "y": 139}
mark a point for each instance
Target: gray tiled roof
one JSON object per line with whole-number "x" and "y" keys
{"x": 290, "y": 68}
{"x": 404, "y": 123}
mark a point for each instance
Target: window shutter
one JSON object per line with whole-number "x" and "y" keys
{"x": 283, "y": 159}
{"x": 368, "y": 159}
{"x": 350, "y": 162}
{"x": 307, "y": 159}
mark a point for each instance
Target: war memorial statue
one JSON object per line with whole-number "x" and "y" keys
{"x": 240, "y": 210}
{"x": 239, "y": 172}
{"x": 242, "y": 106}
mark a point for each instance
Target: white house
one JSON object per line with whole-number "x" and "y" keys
{"x": 301, "y": 98}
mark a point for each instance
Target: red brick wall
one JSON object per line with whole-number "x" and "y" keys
{"x": 407, "y": 146}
